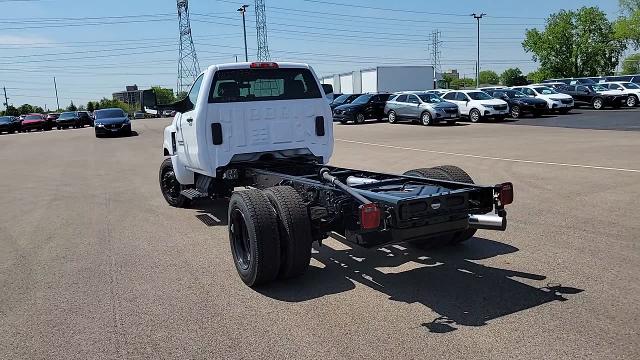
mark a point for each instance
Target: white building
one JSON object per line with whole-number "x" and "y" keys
{"x": 382, "y": 79}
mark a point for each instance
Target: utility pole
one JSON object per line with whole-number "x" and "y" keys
{"x": 478, "y": 17}
{"x": 6, "y": 99}
{"x": 188, "y": 66}
{"x": 242, "y": 10}
{"x": 435, "y": 54}
{"x": 55, "y": 85}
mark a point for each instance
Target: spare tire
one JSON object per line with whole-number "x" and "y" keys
{"x": 457, "y": 174}
{"x": 295, "y": 230}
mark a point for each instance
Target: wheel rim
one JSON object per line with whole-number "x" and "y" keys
{"x": 170, "y": 186}
{"x": 426, "y": 119}
{"x": 597, "y": 104}
{"x": 475, "y": 116}
{"x": 392, "y": 117}
{"x": 515, "y": 112}
{"x": 240, "y": 239}
{"x": 360, "y": 118}
{"x": 631, "y": 101}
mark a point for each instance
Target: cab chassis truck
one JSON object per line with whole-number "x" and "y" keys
{"x": 223, "y": 144}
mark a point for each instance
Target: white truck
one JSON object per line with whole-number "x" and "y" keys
{"x": 266, "y": 128}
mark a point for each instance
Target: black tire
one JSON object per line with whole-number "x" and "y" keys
{"x": 537, "y": 113}
{"x": 457, "y": 174}
{"x": 392, "y": 117}
{"x": 515, "y": 112}
{"x": 295, "y": 230}
{"x": 359, "y": 118}
{"x": 564, "y": 111}
{"x": 254, "y": 237}
{"x": 475, "y": 116}
{"x": 343, "y": 121}
{"x": 430, "y": 173}
{"x": 597, "y": 103}
{"x": 58, "y": 127}
{"x": 451, "y": 122}
{"x": 170, "y": 186}
{"x": 632, "y": 101}
{"x": 425, "y": 118}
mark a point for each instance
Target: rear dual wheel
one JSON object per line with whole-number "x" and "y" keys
{"x": 270, "y": 234}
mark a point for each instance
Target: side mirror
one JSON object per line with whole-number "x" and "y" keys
{"x": 183, "y": 105}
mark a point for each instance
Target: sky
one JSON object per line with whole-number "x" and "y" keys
{"x": 94, "y": 48}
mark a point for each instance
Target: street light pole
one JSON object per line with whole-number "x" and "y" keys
{"x": 478, "y": 17}
{"x": 242, "y": 10}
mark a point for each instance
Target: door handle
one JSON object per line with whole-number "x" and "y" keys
{"x": 189, "y": 120}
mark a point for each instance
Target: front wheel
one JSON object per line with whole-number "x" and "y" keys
{"x": 392, "y": 117}
{"x": 425, "y": 118}
{"x": 632, "y": 101}
{"x": 170, "y": 186}
{"x": 474, "y": 115}
{"x": 359, "y": 118}
{"x": 515, "y": 111}
{"x": 597, "y": 103}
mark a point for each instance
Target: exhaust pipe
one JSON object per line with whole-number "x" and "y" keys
{"x": 488, "y": 222}
{"x": 354, "y": 180}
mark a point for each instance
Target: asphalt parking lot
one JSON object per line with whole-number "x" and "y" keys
{"x": 95, "y": 264}
{"x": 583, "y": 118}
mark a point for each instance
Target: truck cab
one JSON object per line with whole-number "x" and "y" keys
{"x": 245, "y": 112}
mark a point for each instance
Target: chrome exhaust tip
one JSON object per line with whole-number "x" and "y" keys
{"x": 488, "y": 222}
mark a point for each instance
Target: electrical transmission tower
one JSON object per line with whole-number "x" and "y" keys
{"x": 261, "y": 31}
{"x": 188, "y": 67}
{"x": 435, "y": 51}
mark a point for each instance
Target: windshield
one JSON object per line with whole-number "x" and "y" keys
{"x": 630, "y": 85}
{"x": 362, "y": 99}
{"x": 33, "y": 117}
{"x": 479, "y": 95}
{"x": 340, "y": 99}
{"x": 110, "y": 113}
{"x": 430, "y": 98}
{"x": 544, "y": 90}
{"x": 5, "y": 119}
{"x": 67, "y": 115}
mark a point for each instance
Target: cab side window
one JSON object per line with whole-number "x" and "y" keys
{"x": 450, "y": 96}
{"x": 401, "y": 98}
{"x": 461, "y": 97}
{"x": 413, "y": 99}
{"x": 193, "y": 93}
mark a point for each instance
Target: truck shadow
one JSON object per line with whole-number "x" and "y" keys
{"x": 446, "y": 281}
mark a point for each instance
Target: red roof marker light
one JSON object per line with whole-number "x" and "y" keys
{"x": 263, "y": 65}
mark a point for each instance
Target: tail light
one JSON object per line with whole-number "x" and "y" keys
{"x": 263, "y": 65}
{"x": 369, "y": 216}
{"x": 505, "y": 193}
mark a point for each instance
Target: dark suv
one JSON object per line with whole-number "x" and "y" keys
{"x": 365, "y": 106}
{"x": 594, "y": 95}
{"x": 85, "y": 118}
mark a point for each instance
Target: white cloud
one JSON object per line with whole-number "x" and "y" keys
{"x": 25, "y": 40}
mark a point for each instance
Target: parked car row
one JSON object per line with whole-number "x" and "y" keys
{"x": 112, "y": 121}
{"x": 498, "y": 102}
{"x": 596, "y": 79}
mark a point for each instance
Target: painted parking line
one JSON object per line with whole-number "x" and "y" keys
{"x": 490, "y": 157}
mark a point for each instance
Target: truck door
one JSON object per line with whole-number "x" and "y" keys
{"x": 187, "y": 142}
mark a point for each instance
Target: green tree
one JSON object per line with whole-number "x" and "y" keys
{"x": 489, "y": 77}
{"x": 72, "y": 107}
{"x": 513, "y": 77}
{"x": 447, "y": 79}
{"x": 462, "y": 83}
{"x": 25, "y": 109}
{"x": 38, "y": 110}
{"x": 575, "y": 43}
{"x": 163, "y": 95}
{"x": 90, "y": 106}
{"x": 11, "y": 111}
{"x": 627, "y": 27}
{"x": 537, "y": 76}
{"x": 181, "y": 95}
{"x": 631, "y": 64}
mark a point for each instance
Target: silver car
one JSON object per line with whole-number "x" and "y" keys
{"x": 427, "y": 107}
